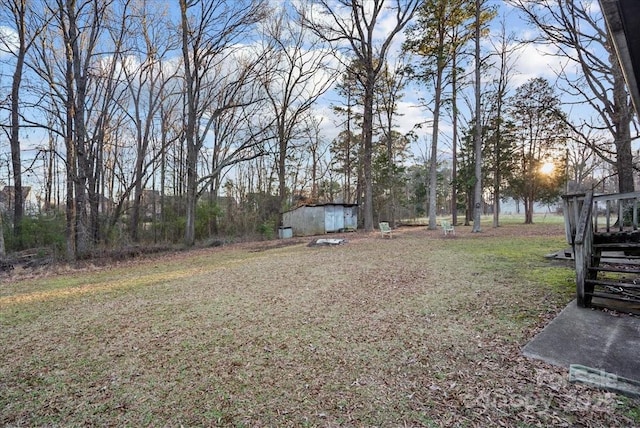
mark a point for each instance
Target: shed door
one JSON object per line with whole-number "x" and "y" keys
{"x": 334, "y": 218}
{"x": 350, "y": 218}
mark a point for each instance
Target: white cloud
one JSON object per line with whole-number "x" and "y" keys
{"x": 8, "y": 41}
{"x": 536, "y": 60}
{"x": 593, "y": 7}
{"x": 409, "y": 116}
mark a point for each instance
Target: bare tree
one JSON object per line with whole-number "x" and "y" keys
{"x": 105, "y": 71}
{"x": 27, "y": 28}
{"x": 239, "y": 132}
{"x": 504, "y": 48}
{"x": 209, "y": 30}
{"x": 300, "y": 71}
{"x": 317, "y": 148}
{"x": 150, "y": 84}
{"x": 581, "y": 163}
{"x": 578, "y": 32}
{"x": 75, "y": 61}
{"x": 63, "y": 60}
{"x": 353, "y": 25}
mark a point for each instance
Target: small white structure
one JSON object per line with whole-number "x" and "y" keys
{"x": 318, "y": 219}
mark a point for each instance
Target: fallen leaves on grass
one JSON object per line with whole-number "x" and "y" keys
{"x": 412, "y": 331}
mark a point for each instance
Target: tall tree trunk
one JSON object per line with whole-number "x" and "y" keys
{"x": 71, "y": 225}
{"x": 498, "y": 171}
{"x": 16, "y": 163}
{"x": 48, "y": 184}
{"x": 367, "y": 133}
{"x": 496, "y": 196}
{"x": 163, "y": 168}
{"x": 391, "y": 168}
{"x": 477, "y": 204}
{"x": 135, "y": 211}
{"x": 622, "y": 130}
{"x": 71, "y": 164}
{"x": 190, "y": 127}
{"x": 192, "y": 176}
{"x": 2, "y": 249}
{"x": 139, "y": 171}
{"x": 359, "y": 186}
{"x": 283, "y": 144}
{"x": 433, "y": 158}
{"x": 348, "y": 161}
{"x": 454, "y": 149}
{"x": 79, "y": 131}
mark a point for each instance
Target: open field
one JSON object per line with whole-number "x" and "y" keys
{"x": 418, "y": 330}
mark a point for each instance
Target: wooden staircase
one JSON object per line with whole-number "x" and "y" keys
{"x": 604, "y": 233}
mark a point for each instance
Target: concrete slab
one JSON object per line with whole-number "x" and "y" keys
{"x": 590, "y": 338}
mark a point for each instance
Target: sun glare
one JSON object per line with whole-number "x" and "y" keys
{"x": 547, "y": 168}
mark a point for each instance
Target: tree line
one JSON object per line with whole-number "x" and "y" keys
{"x": 162, "y": 122}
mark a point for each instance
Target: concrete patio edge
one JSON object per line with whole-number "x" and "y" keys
{"x": 591, "y": 338}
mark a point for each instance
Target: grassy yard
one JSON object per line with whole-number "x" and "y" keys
{"x": 418, "y": 330}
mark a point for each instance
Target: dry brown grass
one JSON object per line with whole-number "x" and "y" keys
{"x": 419, "y": 330}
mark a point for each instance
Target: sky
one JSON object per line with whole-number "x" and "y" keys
{"x": 531, "y": 61}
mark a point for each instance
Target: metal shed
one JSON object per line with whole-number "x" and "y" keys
{"x": 321, "y": 218}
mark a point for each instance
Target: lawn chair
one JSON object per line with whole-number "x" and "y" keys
{"x": 447, "y": 227}
{"x": 385, "y": 230}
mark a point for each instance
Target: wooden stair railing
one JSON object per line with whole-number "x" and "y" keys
{"x": 582, "y": 247}
{"x": 606, "y": 241}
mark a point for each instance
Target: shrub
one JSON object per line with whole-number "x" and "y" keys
{"x": 38, "y": 232}
{"x": 267, "y": 229}
{"x": 206, "y": 216}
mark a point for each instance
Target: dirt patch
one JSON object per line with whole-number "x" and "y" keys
{"x": 271, "y": 245}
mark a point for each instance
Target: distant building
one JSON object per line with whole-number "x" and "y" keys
{"x": 150, "y": 204}
{"x": 7, "y": 196}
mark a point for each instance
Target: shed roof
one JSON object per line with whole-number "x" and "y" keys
{"x": 623, "y": 22}
{"x": 324, "y": 204}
